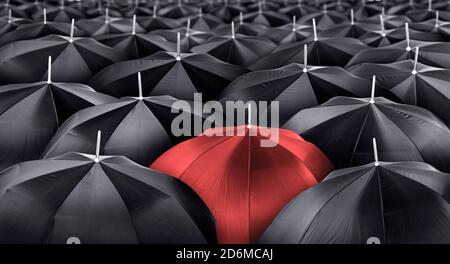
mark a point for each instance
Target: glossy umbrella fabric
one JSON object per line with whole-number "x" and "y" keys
{"x": 163, "y": 74}
{"x": 421, "y": 85}
{"x": 188, "y": 38}
{"x": 112, "y": 201}
{"x": 138, "y": 128}
{"x": 431, "y": 53}
{"x": 25, "y": 61}
{"x": 296, "y": 89}
{"x": 37, "y": 30}
{"x": 136, "y": 45}
{"x": 239, "y": 49}
{"x": 396, "y": 202}
{"x": 8, "y": 24}
{"x": 59, "y": 14}
{"x": 403, "y": 132}
{"x": 243, "y": 184}
{"x": 108, "y": 25}
{"x": 30, "y": 114}
{"x": 323, "y": 52}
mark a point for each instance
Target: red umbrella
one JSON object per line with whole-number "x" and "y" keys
{"x": 244, "y": 184}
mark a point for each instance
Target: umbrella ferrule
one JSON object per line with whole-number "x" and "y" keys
{"x": 49, "y": 70}
{"x": 375, "y": 152}
{"x": 314, "y": 29}
{"x": 352, "y": 17}
{"x": 188, "y": 27}
{"x": 416, "y": 58}
{"x": 45, "y": 15}
{"x": 383, "y": 30}
{"x": 134, "y": 25}
{"x": 408, "y": 46}
{"x": 97, "y": 146}
{"x": 294, "y": 26}
{"x": 436, "y": 25}
{"x": 154, "y": 11}
{"x": 178, "y": 57}
{"x": 9, "y": 16}
{"x": 72, "y": 28}
{"x": 232, "y": 30}
{"x": 140, "y": 86}
{"x": 372, "y": 93}
{"x": 241, "y": 18}
{"x": 305, "y": 58}
{"x": 106, "y": 15}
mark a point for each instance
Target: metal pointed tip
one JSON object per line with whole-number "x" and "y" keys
{"x": 414, "y": 72}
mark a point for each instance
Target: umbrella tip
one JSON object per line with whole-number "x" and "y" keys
{"x": 72, "y": 28}
{"x": 305, "y": 58}
{"x": 314, "y": 29}
{"x": 375, "y": 152}
{"x": 49, "y": 70}
{"x": 372, "y": 94}
{"x": 44, "y": 11}
{"x": 232, "y": 30}
{"x": 178, "y": 58}
{"x": 416, "y": 58}
{"x": 97, "y": 146}
{"x": 140, "y": 86}
{"x": 134, "y": 25}
{"x": 249, "y": 116}
{"x": 241, "y": 18}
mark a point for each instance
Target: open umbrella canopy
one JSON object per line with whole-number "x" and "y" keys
{"x": 227, "y": 11}
{"x": 414, "y": 83}
{"x": 136, "y": 45}
{"x": 59, "y": 14}
{"x": 236, "y": 48}
{"x": 189, "y": 38}
{"x": 288, "y": 33}
{"x": 348, "y": 29}
{"x": 396, "y": 202}
{"x": 98, "y": 200}
{"x": 25, "y": 61}
{"x": 297, "y": 87}
{"x": 405, "y": 132}
{"x": 243, "y": 184}
{"x": 9, "y": 23}
{"x": 177, "y": 74}
{"x": 321, "y": 52}
{"x": 266, "y": 18}
{"x": 157, "y": 22}
{"x": 178, "y": 10}
{"x": 39, "y": 29}
{"x": 108, "y": 25}
{"x": 30, "y": 114}
{"x": 136, "y": 127}
{"x": 202, "y": 22}
{"x": 240, "y": 27}
{"x": 16, "y": 11}
{"x": 324, "y": 19}
{"x": 436, "y": 54}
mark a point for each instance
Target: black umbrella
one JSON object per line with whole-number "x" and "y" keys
{"x": 91, "y": 199}
{"x": 108, "y": 25}
{"x": 390, "y": 202}
{"x": 61, "y": 13}
{"x": 288, "y": 33}
{"x": 236, "y": 48}
{"x": 136, "y": 45}
{"x": 325, "y": 18}
{"x": 414, "y": 83}
{"x": 157, "y": 22}
{"x": 266, "y": 18}
{"x": 24, "y": 61}
{"x": 226, "y": 11}
{"x": 298, "y": 10}
{"x": 39, "y": 29}
{"x": 178, "y": 10}
{"x": 296, "y": 87}
{"x": 425, "y": 14}
{"x": 136, "y": 127}
{"x": 189, "y": 38}
{"x": 431, "y": 53}
{"x": 168, "y": 73}
{"x": 321, "y": 51}
{"x": 202, "y": 22}
{"x": 244, "y": 28}
{"x": 10, "y": 23}
{"x": 30, "y": 114}
{"x": 385, "y": 37}
{"x": 5, "y": 7}
{"x": 406, "y": 133}
{"x": 350, "y": 29}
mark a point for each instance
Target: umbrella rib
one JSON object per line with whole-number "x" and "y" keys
{"x": 359, "y": 135}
